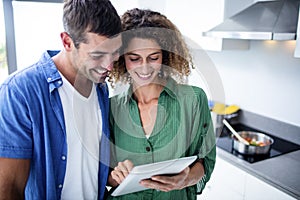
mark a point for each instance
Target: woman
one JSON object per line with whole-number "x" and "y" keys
{"x": 158, "y": 118}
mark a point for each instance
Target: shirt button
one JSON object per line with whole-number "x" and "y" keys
{"x": 49, "y": 79}
{"x": 59, "y": 82}
{"x": 60, "y": 186}
{"x": 148, "y": 149}
{"x": 63, "y": 157}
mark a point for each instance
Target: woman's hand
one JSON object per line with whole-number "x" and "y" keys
{"x": 188, "y": 177}
{"x": 121, "y": 171}
{"x": 167, "y": 183}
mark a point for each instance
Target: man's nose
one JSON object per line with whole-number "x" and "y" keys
{"x": 116, "y": 56}
{"x": 110, "y": 66}
{"x": 109, "y": 61}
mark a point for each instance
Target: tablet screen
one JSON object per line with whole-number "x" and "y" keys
{"x": 138, "y": 173}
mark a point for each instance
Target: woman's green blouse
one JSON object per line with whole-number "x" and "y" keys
{"x": 183, "y": 127}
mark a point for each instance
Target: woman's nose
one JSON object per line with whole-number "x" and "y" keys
{"x": 144, "y": 67}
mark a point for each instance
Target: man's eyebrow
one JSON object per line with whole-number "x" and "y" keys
{"x": 103, "y": 52}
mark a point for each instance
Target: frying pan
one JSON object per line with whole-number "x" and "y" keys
{"x": 252, "y": 149}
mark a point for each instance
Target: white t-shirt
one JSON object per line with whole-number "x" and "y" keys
{"x": 84, "y": 129}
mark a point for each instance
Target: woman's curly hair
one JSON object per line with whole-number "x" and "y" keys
{"x": 147, "y": 24}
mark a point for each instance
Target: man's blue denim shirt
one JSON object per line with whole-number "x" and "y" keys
{"x": 32, "y": 126}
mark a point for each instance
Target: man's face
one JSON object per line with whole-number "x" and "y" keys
{"x": 94, "y": 59}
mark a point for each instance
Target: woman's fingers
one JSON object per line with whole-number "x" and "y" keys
{"x": 167, "y": 182}
{"x": 122, "y": 170}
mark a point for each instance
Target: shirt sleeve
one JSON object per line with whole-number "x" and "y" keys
{"x": 203, "y": 137}
{"x": 15, "y": 123}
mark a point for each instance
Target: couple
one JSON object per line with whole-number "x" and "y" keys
{"x": 57, "y": 126}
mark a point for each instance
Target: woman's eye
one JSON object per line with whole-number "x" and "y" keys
{"x": 153, "y": 58}
{"x": 134, "y": 59}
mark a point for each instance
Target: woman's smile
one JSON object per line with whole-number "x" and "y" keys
{"x": 144, "y": 76}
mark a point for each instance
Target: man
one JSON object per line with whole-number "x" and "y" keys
{"x": 54, "y": 114}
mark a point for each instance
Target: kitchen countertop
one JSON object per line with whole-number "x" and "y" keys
{"x": 282, "y": 172}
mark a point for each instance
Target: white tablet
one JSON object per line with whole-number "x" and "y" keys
{"x": 138, "y": 173}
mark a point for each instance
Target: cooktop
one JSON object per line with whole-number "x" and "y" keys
{"x": 279, "y": 147}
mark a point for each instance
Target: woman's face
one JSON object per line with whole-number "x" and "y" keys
{"x": 143, "y": 59}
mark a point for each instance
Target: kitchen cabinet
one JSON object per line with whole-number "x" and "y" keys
{"x": 227, "y": 182}
{"x": 231, "y": 182}
{"x": 259, "y": 190}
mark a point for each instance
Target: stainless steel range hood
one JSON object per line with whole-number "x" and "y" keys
{"x": 266, "y": 20}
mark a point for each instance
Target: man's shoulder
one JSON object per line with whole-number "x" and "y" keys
{"x": 23, "y": 77}
{"x": 29, "y": 80}
{"x": 41, "y": 68}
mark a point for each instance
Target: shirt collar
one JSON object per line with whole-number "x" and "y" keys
{"x": 50, "y": 71}
{"x": 170, "y": 89}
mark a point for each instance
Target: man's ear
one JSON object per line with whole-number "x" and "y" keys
{"x": 66, "y": 41}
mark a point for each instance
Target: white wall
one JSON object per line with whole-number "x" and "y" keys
{"x": 264, "y": 79}
{"x": 37, "y": 28}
